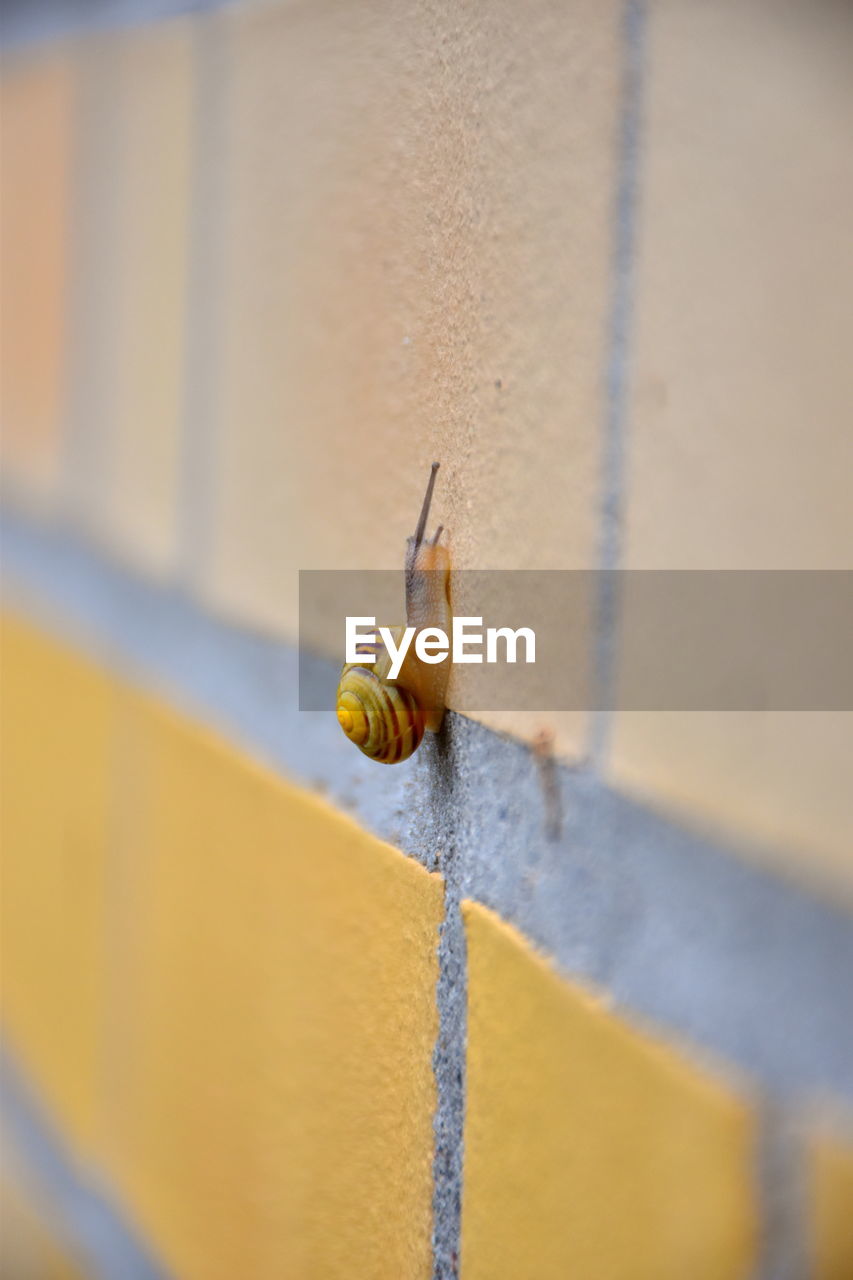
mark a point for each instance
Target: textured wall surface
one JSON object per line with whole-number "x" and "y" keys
{"x": 567, "y": 992}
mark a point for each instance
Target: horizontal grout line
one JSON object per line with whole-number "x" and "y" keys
{"x": 677, "y": 928}
{"x": 88, "y": 1220}
{"x": 28, "y": 23}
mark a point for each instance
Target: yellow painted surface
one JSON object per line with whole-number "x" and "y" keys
{"x": 36, "y": 102}
{"x": 262, "y": 1095}
{"x": 269, "y": 1089}
{"x": 57, "y": 731}
{"x": 739, "y": 448}
{"x": 831, "y": 1213}
{"x": 590, "y": 1149}
{"x": 415, "y": 266}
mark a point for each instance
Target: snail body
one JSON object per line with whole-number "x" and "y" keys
{"x": 386, "y": 718}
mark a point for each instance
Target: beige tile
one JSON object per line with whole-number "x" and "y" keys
{"x": 92, "y": 329}
{"x": 739, "y": 445}
{"x": 133, "y": 217}
{"x": 739, "y": 448}
{"x": 36, "y": 121}
{"x": 156, "y": 66}
{"x": 416, "y": 266}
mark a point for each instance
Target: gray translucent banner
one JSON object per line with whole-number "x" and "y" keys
{"x": 704, "y": 640}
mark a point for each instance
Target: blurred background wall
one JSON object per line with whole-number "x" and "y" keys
{"x": 565, "y": 994}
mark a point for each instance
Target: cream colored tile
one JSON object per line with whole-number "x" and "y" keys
{"x": 417, "y": 251}
{"x": 36, "y": 136}
{"x": 739, "y": 449}
{"x": 131, "y": 285}
{"x": 144, "y": 449}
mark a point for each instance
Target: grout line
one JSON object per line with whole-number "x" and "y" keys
{"x": 617, "y": 377}
{"x": 781, "y": 1194}
{"x": 437, "y": 840}
{"x": 87, "y": 1218}
{"x": 26, "y": 25}
{"x": 449, "y": 1063}
{"x": 684, "y": 933}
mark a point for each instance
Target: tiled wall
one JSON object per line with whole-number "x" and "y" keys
{"x": 231, "y": 1017}
{"x": 495, "y": 1013}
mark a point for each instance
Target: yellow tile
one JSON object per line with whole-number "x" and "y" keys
{"x": 57, "y": 730}
{"x": 590, "y": 1150}
{"x": 739, "y": 448}
{"x": 131, "y": 295}
{"x": 831, "y": 1199}
{"x": 36, "y": 101}
{"x": 270, "y": 1094}
{"x": 270, "y": 984}
{"x": 416, "y": 267}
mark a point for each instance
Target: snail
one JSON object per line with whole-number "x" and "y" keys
{"x": 386, "y": 718}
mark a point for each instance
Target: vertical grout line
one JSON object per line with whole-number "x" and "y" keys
{"x": 618, "y": 341}
{"x": 783, "y": 1252}
{"x": 449, "y": 1067}
{"x": 434, "y": 837}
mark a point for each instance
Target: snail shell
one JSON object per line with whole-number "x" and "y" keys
{"x": 386, "y": 719}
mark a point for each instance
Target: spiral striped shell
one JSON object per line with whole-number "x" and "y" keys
{"x": 386, "y": 718}
{"x": 383, "y": 720}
